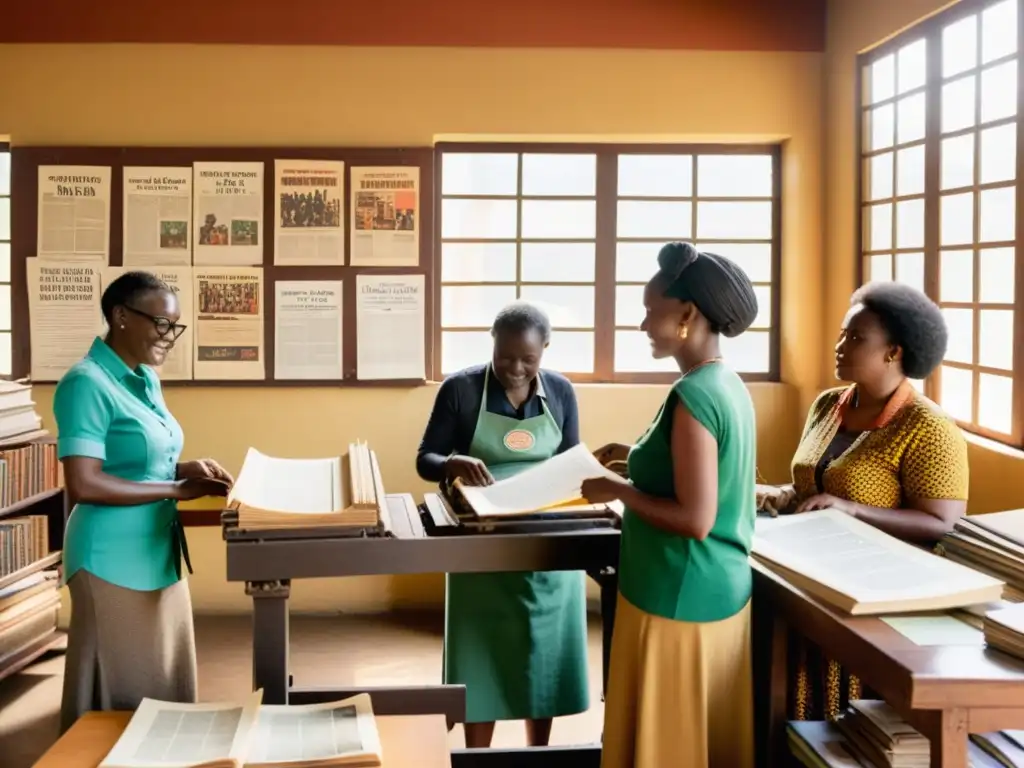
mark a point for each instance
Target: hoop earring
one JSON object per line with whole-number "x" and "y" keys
{"x": 683, "y": 332}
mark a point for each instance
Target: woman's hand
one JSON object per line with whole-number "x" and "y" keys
{"x": 204, "y": 468}
{"x": 773, "y": 499}
{"x": 469, "y": 470}
{"x": 600, "y": 490}
{"x": 611, "y": 453}
{"x": 827, "y": 501}
{"x": 198, "y": 487}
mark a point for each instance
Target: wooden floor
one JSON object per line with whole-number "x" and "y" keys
{"x": 387, "y": 650}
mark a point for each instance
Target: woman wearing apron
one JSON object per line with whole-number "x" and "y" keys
{"x": 517, "y": 641}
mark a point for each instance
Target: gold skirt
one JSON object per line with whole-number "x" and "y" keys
{"x": 679, "y": 693}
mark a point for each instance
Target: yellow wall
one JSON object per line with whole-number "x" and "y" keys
{"x": 854, "y": 26}
{"x": 189, "y": 95}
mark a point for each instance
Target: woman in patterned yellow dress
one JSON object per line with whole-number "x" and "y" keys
{"x": 877, "y": 450}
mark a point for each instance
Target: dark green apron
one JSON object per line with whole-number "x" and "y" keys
{"x": 517, "y": 641}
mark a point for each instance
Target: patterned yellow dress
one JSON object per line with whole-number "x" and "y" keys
{"x": 912, "y": 451}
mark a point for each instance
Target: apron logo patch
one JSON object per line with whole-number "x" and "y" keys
{"x": 519, "y": 440}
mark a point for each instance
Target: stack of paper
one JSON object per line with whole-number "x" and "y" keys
{"x": 19, "y": 422}
{"x": 992, "y": 544}
{"x": 1001, "y": 748}
{"x": 877, "y": 735}
{"x": 1004, "y": 630}
{"x": 818, "y": 744}
{"x": 309, "y": 493}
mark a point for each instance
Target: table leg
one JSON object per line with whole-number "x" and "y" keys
{"x": 949, "y": 739}
{"x": 770, "y": 652}
{"x": 609, "y": 583}
{"x": 270, "y": 639}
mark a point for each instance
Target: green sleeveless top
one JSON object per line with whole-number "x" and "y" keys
{"x": 681, "y": 578}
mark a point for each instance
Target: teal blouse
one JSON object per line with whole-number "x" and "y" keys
{"x": 107, "y": 411}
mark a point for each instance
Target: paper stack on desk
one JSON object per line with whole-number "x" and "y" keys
{"x": 273, "y": 493}
{"x": 992, "y": 544}
{"x": 1004, "y": 630}
{"x": 877, "y": 735}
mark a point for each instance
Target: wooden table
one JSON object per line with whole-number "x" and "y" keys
{"x": 419, "y": 740}
{"x": 945, "y": 692}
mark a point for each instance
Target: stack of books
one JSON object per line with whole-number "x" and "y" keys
{"x": 992, "y": 544}
{"x": 19, "y": 422}
{"x": 1000, "y": 748}
{"x": 878, "y": 736}
{"x": 1004, "y": 630}
{"x": 28, "y": 612}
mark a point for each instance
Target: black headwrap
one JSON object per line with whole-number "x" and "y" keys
{"x": 716, "y": 286}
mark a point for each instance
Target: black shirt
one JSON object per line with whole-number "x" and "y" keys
{"x": 453, "y": 420}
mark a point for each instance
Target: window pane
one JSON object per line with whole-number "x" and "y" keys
{"x": 881, "y": 127}
{"x": 996, "y": 266}
{"x": 5, "y": 262}
{"x": 637, "y": 218}
{"x": 742, "y": 221}
{"x": 879, "y": 236}
{"x": 473, "y": 306}
{"x": 461, "y": 349}
{"x": 734, "y": 176}
{"x": 747, "y": 353}
{"x": 910, "y": 224}
{"x": 995, "y": 403}
{"x": 879, "y": 176}
{"x": 910, "y": 269}
{"x": 753, "y": 258}
{"x": 568, "y": 307}
{"x": 5, "y": 307}
{"x": 655, "y": 176}
{"x": 910, "y": 171}
{"x": 956, "y": 276}
{"x": 764, "y": 307}
{"x": 956, "y": 219}
{"x": 478, "y": 262}
{"x": 478, "y": 219}
{"x": 995, "y": 338}
{"x": 555, "y": 219}
{"x": 998, "y": 214}
{"x": 636, "y": 262}
{"x": 883, "y": 78}
{"x": 957, "y": 162}
{"x": 629, "y": 306}
{"x": 958, "y": 104}
{"x": 960, "y": 46}
{"x": 556, "y": 175}
{"x": 910, "y": 119}
{"x": 571, "y": 352}
{"x": 961, "y": 335}
{"x": 5, "y": 173}
{"x": 470, "y": 173}
{"x": 911, "y": 66}
{"x": 999, "y": 92}
{"x": 880, "y": 267}
{"x": 998, "y": 30}
{"x": 5, "y": 354}
{"x": 633, "y": 355}
{"x": 957, "y": 392}
{"x": 5, "y": 218}
{"x": 558, "y": 262}
{"x": 998, "y": 154}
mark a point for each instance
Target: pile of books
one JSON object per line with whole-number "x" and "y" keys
{"x": 992, "y": 544}
{"x": 28, "y": 611}
{"x": 1004, "y": 630}
{"x": 19, "y": 422}
{"x": 999, "y": 748}
{"x": 877, "y": 735}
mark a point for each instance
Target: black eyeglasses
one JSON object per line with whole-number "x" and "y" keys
{"x": 164, "y": 327}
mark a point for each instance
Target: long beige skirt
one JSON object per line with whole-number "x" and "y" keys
{"x": 125, "y": 645}
{"x": 679, "y": 693}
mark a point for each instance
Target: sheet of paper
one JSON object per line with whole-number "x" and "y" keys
{"x": 309, "y": 210}
{"x": 385, "y": 217}
{"x": 64, "y": 313}
{"x": 228, "y": 214}
{"x": 935, "y": 629}
{"x": 314, "y": 732}
{"x": 288, "y": 485}
{"x": 556, "y": 481}
{"x": 390, "y": 327}
{"x": 307, "y": 329}
{"x": 229, "y": 323}
{"x": 157, "y": 215}
{"x": 178, "y": 365}
{"x": 73, "y": 213}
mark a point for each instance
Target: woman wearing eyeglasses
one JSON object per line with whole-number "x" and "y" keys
{"x": 131, "y": 634}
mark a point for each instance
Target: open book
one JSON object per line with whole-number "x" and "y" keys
{"x": 862, "y": 570}
{"x": 554, "y": 485}
{"x": 247, "y": 735}
{"x": 303, "y": 493}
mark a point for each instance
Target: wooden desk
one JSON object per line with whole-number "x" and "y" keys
{"x": 945, "y": 692}
{"x": 419, "y": 740}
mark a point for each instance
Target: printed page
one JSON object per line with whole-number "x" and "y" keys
{"x": 309, "y": 199}
{"x": 228, "y": 214}
{"x": 390, "y": 327}
{"x": 229, "y": 323}
{"x": 307, "y": 329}
{"x": 938, "y": 629}
{"x": 64, "y": 310}
{"x": 157, "y": 217}
{"x": 557, "y": 481}
{"x": 288, "y": 485}
{"x": 385, "y": 217}
{"x": 73, "y": 217}
{"x": 169, "y": 735}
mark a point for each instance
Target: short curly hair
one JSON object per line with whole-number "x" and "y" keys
{"x": 520, "y": 317}
{"x": 913, "y": 322}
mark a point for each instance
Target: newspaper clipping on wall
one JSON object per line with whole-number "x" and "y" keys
{"x": 390, "y": 327}
{"x": 307, "y": 329}
{"x": 157, "y": 217}
{"x": 178, "y": 364}
{"x": 385, "y": 217}
{"x": 228, "y": 220}
{"x": 73, "y": 213}
{"x": 229, "y": 324}
{"x": 309, "y": 210}
{"x": 64, "y": 312}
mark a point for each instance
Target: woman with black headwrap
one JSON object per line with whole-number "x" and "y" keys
{"x": 680, "y": 684}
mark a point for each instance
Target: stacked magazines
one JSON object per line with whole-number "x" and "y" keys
{"x": 992, "y": 544}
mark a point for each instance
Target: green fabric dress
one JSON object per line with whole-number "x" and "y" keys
{"x": 517, "y": 641}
